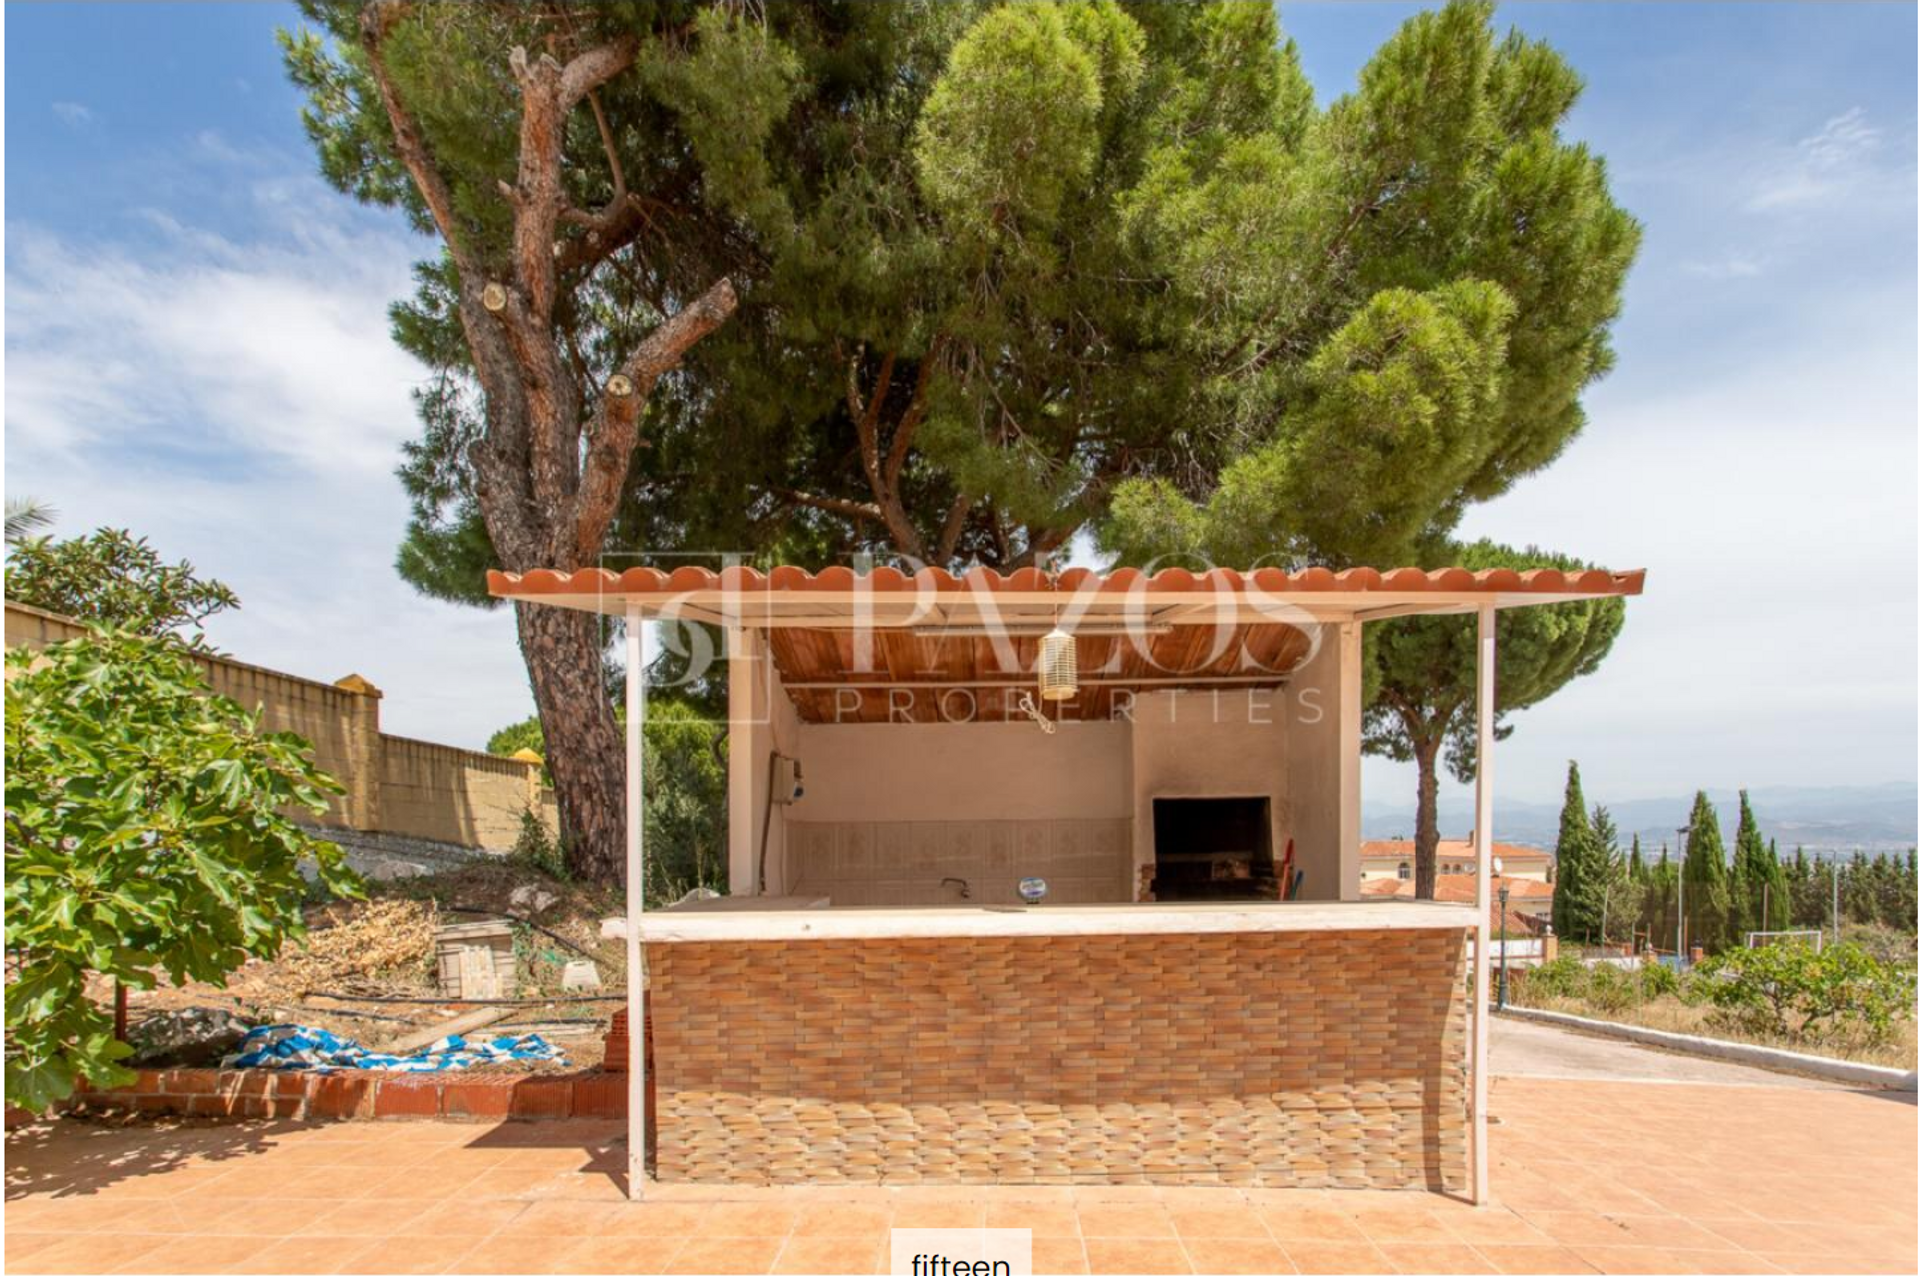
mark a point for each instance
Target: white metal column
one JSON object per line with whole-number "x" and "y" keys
{"x": 636, "y": 904}
{"x": 1483, "y": 888}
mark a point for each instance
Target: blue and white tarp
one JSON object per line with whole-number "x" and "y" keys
{"x": 285, "y": 1045}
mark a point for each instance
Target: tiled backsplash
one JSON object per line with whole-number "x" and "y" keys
{"x": 1084, "y": 861}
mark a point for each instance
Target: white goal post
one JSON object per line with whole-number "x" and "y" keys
{"x": 1760, "y": 938}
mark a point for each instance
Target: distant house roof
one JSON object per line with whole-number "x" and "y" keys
{"x": 1457, "y": 888}
{"x": 1450, "y": 848}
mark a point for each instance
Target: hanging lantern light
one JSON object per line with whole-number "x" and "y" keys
{"x": 1059, "y": 666}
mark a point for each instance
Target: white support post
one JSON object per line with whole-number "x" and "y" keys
{"x": 636, "y": 904}
{"x": 1483, "y": 888}
{"x": 744, "y": 756}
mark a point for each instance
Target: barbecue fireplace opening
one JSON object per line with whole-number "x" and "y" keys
{"x": 1213, "y": 848}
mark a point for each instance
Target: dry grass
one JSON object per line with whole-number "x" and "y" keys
{"x": 374, "y": 942}
{"x": 1670, "y": 1014}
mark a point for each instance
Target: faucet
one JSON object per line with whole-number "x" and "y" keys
{"x": 966, "y": 891}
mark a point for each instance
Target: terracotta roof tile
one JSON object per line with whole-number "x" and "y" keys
{"x": 1449, "y": 848}
{"x": 1457, "y": 888}
{"x": 1273, "y": 580}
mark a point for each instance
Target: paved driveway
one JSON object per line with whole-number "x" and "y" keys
{"x": 1519, "y": 1048}
{"x": 1589, "y": 1176}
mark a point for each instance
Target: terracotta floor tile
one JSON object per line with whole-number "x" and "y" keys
{"x": 1731, "y": 1262}
{"x": 1219, "y": 1256}
{"x": 1316, "y": 1226}
{"x": 260, "y": 1218}
{"x": 303, "y": 1254}
{"x": 508, "y": 1255}
{"x": 1578, "y": 1227}
{"x": 746, "y": 1218}
{"x": 1836, "y": 1265}
{"x": 408, "y": 1254}
{"x": 1403, "y": 1227}
{"x": 96, "y": 1252}
{"x": 1359, "y": 1258}
{"x": 726, "y": 1256}
{"x": 1054, "y": 1221}
{"x": 1492, "y": 1226}
{"x": 842, "y": 1219}
{"x": 368, "y": 1218}
{"x": 188, "y": 1254}
{"x": 621, "y": 1255}
{"x": 912, "y": 1213}
{"x": 1129, "y": 1255}
{"x": 660, "y": 1218}
{"x": 436, "y": 1185}
{"x": 566, "y": 1218}
{"x": 1671, "y": 1233}
{"x": 830, "y": 1255}
{"x": 20, "y": 1244}
{"x": 1451, "y": 1258}
{"x": 1635, "y": 1260}
{"x": 473, "y": 1218}
{"x": 1535, "y": 1260}
{"x": 1218, "y": 1222}
{"x": 1053, "y": 1256}
{"x": 1137, "y": 1222}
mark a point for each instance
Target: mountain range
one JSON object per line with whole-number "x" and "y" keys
{"x": 1825, "y": 820}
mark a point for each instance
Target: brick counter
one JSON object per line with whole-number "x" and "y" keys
{"x": 1282, "y": 1059}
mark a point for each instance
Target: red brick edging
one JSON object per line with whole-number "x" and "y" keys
{"x": 366, "y": 1094}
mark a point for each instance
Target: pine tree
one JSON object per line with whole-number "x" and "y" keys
{"x": 1578, "y": 884}
{"x": 1708, "y": 896}
{"x": 1000, "y": 272}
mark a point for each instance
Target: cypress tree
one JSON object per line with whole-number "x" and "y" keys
{"x": 1704, "y": 869}
{"x": 1779, "y": 896}
{"x": 1636, "y": 866}
{"x": 1748, "y": 888}
{"x": 1576, "y": 903}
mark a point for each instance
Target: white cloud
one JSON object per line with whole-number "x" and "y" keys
{"x": 277, "y": 355}
{"x": 1824, "y": 167}
{"x": 1732, "y": 266}
{"x": 243, "y": 405}
{"x": 73, "y": 114}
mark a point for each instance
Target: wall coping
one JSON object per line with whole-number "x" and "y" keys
{"x": 1845, "y": 1070}
{"x": 365, "y": 1094}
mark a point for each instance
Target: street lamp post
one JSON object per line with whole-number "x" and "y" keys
{"x": 1680, "y": 902}
{"x": 1503, "y": 944}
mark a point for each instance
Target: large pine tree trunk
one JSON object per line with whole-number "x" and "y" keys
{"x": 1426, "y": 820}
{"x": 585, "y": 753}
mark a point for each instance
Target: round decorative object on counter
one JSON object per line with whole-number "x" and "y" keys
{"x": 1033, "y": 889}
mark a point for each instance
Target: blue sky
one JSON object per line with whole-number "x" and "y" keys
{"x": 196, "y": 347}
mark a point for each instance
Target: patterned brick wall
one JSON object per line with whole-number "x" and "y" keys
{"x": 1309, "y": 1060}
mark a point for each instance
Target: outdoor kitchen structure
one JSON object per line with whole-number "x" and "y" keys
{"x": 1201, "y": 994}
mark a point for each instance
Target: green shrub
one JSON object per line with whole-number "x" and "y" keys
{"x": 535, "y": 848}
{"x": 1658, "y": 981}
{"x": 1793, "y": 991}
{"x": 1564, "y": 976}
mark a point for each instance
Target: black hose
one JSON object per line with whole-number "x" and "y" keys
{"x": 561, "y": 940}
{"x": 464, "y": 1001}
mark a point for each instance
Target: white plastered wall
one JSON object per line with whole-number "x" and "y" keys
{"x": 1323, "y": 769}
{"x": 760, "y": 721}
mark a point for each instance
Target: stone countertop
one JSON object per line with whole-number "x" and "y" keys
{"x": 785, "y": 922}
